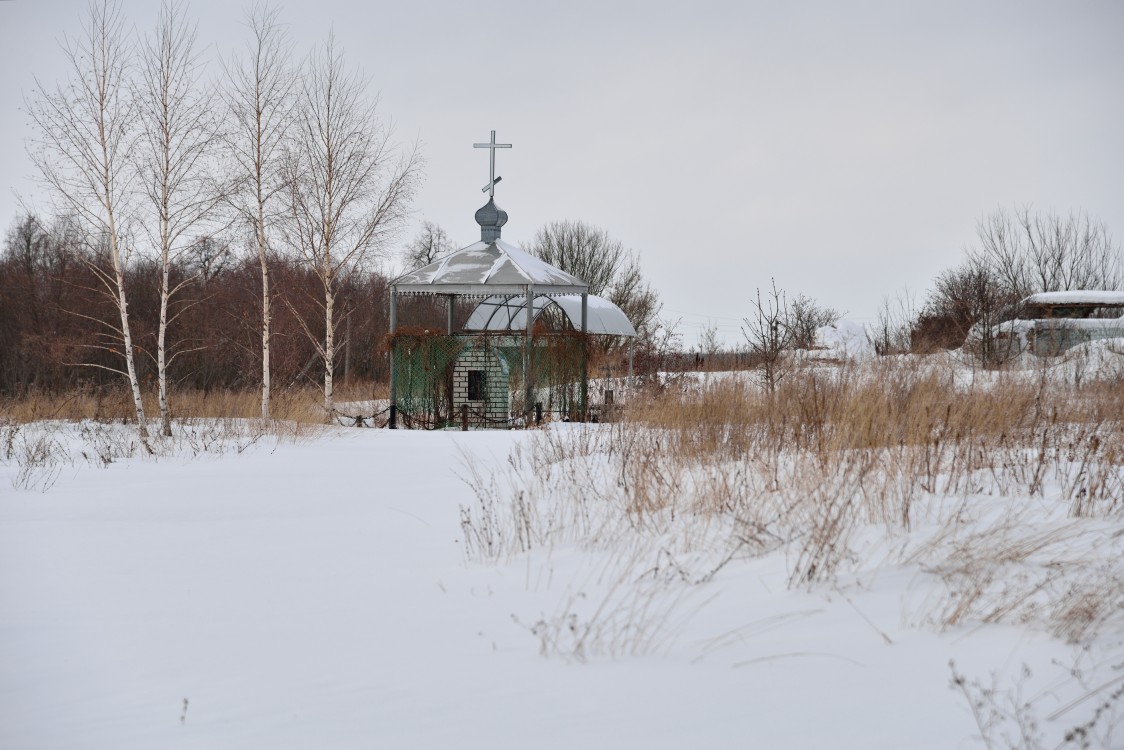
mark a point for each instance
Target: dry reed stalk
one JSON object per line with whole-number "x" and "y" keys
{"x": 698, "y": 477}
{"x": 115, "y": 404}
{"x": 804, "y": 466}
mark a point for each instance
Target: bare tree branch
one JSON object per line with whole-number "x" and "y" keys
{"x": 85, "y": 130}
{"x": 178, "y": 137}
{"x": 349, "y": 190}
{"x": 259, "y": 107}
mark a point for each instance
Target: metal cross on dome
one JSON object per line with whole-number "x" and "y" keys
{"x": 490, "y": 188}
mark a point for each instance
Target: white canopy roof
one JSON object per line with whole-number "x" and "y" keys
{"x": 493, "y": 268}
{"x": 1077, "y": 297}
{"x": 501, "y": 313}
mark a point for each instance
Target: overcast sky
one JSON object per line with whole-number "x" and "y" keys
{"x": 845, "y": 149}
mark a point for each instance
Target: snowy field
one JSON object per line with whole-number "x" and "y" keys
{"x": 357, "y": 588}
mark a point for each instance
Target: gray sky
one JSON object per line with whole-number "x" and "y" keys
{"x": 846, "y": 149}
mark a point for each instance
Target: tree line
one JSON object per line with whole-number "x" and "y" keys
{"x": 59, "y": 330}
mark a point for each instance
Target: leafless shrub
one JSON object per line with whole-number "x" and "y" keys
{"x": 769, "y": 334}
{"x": 9, "y": 431}
{"x": 1098, "y": 729}
{"x": 971, "y": 293}
{"x": 39, "y": 452}
{"x": 893, "y": 329}
{"x": 628, "y": 619}
{"x": 1089, "y": 604}
{"x": 480, "y": 524}
{"x": 710, "y": 345}
{"x": 1017, "y": 572}
{"x": 103, "y": 444}
{"x": 39, "y": 459}
{"x": 806, "y": 316}
{"x": 1006, "y": 717}
{"x": 1013, "y": 716}
{"x": 825, "y": 516}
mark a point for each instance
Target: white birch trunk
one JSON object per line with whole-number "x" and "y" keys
{"x": 259, "y": 101}
{"x": 130, "y": 364}
{"x": 266, "y": 308}
{"x": 161, "y": 349}
{"x": 346, "y": 200}
{"x": 126, "y": 334}
{"x": 122, "y": 300}
{"x": 266, "y": 322}
{"x": 162, "y": 331}
{"x": 177, "y": 130}
{"x": 329, "y": 352}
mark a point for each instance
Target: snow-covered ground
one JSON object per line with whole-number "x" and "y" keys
{"x": 317, "y": 592}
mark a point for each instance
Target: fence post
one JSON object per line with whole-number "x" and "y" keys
{"x": 392, "y": 423}
{"x": 584, "y": 387}
{"x": 464, "y": 417}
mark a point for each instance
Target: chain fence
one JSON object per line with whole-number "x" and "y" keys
{"x": 442, "y": 380}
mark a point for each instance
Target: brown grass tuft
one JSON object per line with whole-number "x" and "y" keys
{"x": 115, "y": 404}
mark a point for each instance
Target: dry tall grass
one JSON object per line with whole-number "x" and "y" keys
{"x": 43, "y": 434}
{"x": 690, "y": 481}
{"x": 115, "y": 404}
{"x": 875, "y": 407}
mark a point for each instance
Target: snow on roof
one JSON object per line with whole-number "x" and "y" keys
{"x": 1077, "y": 297}
{"x": 496, "y": 267}
{"x": 501, "y": 313}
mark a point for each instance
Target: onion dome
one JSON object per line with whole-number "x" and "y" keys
{"x": 490, "y": 217}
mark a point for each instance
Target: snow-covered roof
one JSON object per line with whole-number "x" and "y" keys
{"x": 493, "y": 268}
{"x": 1109, "y": 327}
{"x": 509, "y": 313}
{"x": 1077, "y": 297}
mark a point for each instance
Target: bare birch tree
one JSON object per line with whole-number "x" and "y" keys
{"x": 769, "y": 333}
{"x": 1031, "y": 252}
{"x": 259, "y": 103}
{"x": 348, "y": 189}
{"x": 85, "y": 132}
{"x": 178, "y": 134}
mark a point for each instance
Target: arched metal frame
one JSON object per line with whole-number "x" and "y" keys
{"x": 508, "y": 313}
